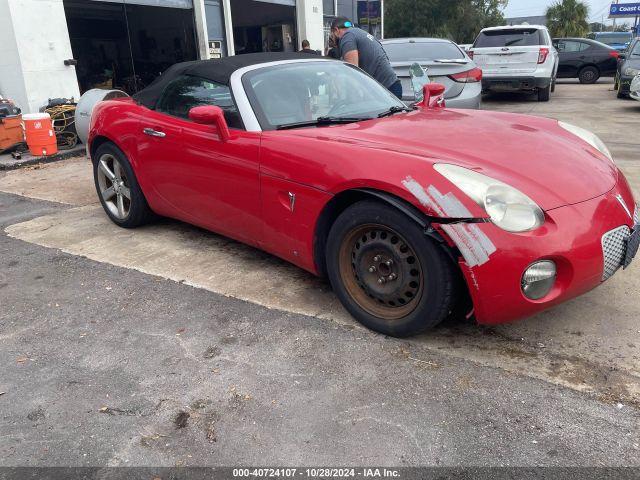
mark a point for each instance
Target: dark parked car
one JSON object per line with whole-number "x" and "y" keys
{"x": 628, "y": 68}
{"x": 585, "y": 59}
{"x": 618, "y": 40}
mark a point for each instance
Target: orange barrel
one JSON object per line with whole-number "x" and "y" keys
{"x": 38, "y": 130}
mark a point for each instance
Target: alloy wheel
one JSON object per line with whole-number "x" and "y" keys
{"x": 114, "y": 186}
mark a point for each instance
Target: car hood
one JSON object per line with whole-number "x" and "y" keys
{"x": 535, "y": 155}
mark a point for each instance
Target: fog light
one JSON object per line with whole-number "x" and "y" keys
{"x": 538, "y": 279}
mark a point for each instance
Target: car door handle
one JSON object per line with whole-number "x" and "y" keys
{"x": 153, "y": 133}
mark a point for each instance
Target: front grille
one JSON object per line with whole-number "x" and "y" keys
{"x": 614, "y": 249}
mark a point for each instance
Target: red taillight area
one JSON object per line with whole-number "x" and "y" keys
{"x": 615, "y": 54}
{"x": 470, "y": 76}
{"x": 542, "y": 56}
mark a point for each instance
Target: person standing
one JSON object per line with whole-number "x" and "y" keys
{"x": 332, "y": 48}
{"x": 306, "y": 48}
{"x": 363, "y": 50}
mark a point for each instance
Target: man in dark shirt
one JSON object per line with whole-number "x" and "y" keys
{"x": 364, "y": 50}
{"x": 306, "y": 48}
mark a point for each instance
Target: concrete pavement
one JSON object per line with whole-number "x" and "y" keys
{"x": 104, "y": 365}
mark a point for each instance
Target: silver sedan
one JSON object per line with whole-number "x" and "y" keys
{"x": 444, "y": 62}
{"x": 634, "y": 91}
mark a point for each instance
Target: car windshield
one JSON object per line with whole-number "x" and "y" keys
{"x": 525, "y": 37}
{"x": 636, "y": 49}
{"x": 422, "y": 51}
{"x": 305, "y": 92}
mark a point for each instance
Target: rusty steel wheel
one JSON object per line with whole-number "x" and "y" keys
{"x": 386, "y": 272}
{"x": 381, "y": 271}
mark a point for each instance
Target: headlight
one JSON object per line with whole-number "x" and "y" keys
{"x": 631, "y": 72}
{"x": 507, "y": 207}
{"x": 589, "y": 137}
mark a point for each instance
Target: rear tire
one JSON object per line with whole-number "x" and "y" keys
{"x": 118, "y": 188}
{"x": 589, "y": 75}
{"x": 553, "y": 85}
{"x": 544, "y": 94}
{"x": 386, "y": 272}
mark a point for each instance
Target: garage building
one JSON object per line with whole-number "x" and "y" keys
{"x": 61, "y": 48}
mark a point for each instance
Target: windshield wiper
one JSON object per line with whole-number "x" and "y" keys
{"x": 395, "y": 109}
{"x": 322, "y": 121}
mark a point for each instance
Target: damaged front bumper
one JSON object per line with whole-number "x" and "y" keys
{"x": 573, "y": 237}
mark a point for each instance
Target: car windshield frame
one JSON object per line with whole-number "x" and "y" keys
{"x": 263, "y": 118}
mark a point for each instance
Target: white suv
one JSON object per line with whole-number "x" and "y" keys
{"x": 519, "y": 57}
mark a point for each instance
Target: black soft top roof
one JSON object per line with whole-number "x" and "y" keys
{"x": 216, "y": 70}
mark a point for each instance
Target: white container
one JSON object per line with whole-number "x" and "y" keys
{"x": 85, "y": 106}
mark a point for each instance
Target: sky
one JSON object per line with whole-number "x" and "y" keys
{"x": 526, "y": 8}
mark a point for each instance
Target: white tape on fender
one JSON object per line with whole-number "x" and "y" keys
{"x": 473, "y": 243}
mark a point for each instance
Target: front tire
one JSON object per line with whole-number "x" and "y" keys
{"x": 386, "y": 272}
{"x": 589, "y": 75}
{"x": 118, "y": 189}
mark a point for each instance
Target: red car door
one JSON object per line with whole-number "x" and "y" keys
{"x": 199, "y": 177}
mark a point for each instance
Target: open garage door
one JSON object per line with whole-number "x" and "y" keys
{"x": 264, "y": 25}
{"x": 125, "y": 45}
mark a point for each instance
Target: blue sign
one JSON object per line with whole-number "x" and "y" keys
{"x": 624, "y": 10}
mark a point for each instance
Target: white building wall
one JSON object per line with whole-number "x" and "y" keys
{"x": 11, "y": 82}
{"x": 228, "y": 29}
{"x": 35, "y": 70}
{"x": 201, "y": 30}
{"x": 310, "y": 23}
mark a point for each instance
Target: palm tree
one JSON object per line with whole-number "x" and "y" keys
{"x": 568, "y": 18}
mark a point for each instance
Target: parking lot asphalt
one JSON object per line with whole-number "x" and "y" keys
{"x": 173, "y": 346}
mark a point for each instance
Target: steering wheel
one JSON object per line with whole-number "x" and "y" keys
{"x": 337, "y": 107}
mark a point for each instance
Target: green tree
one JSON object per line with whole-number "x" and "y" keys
{"x": 458, "y": 20}
{"x": 568, "y": 18}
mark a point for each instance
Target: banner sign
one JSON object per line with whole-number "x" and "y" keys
{"x": 369, "y": 12}
{"x": 624, "y": 10}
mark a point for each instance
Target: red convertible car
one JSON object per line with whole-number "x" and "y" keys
{"x": 411, "y": 213}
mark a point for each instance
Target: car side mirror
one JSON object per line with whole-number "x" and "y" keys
{"x": 433, "y": 96}
{"x": 211, "y": 115}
